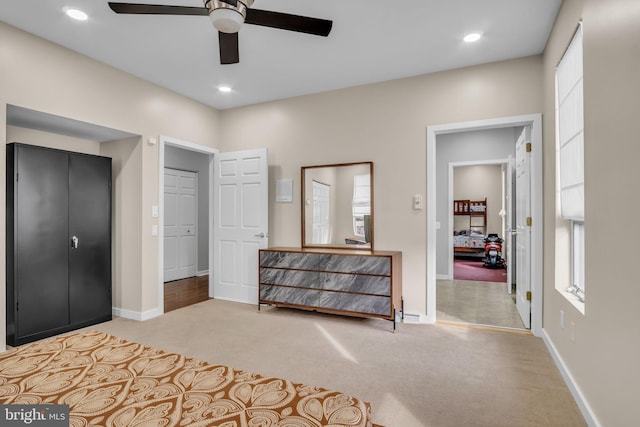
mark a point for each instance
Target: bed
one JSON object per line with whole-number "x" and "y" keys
{"x": 109, "y": 381}
{"x": 468, "y": 242}
{"x": 471, "y": 217}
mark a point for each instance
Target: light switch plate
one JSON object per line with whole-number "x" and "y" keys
{"x": 154, "y": 212}
{"x": 417, "y": 202}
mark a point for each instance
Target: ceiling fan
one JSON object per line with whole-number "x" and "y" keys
{"x": 228, "y": 16}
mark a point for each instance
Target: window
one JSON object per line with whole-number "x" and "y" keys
{"x": 361, "y": 204}
{"x": 570, "y": 140}
{"x": 577, "y": 260}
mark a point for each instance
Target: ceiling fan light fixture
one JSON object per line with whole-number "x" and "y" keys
{"x": 226, "y": 20}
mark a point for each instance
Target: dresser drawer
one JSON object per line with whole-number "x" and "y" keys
{"x": 354, "y": 303}
{"x": 337, "y": 263}
{"x": 357, "y": 283}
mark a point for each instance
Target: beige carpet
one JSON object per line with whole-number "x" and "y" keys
{"x": 108, "y": 381}
{"x": 419, "y": 376}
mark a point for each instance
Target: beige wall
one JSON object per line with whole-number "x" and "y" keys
{"x": 42, "y": 76}
{"x": 602, "y": 350}
{"x": 384, "y": 123}
{"x": 127, "y": 254}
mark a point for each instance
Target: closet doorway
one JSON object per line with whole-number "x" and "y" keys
{"x": 186, "y": 196}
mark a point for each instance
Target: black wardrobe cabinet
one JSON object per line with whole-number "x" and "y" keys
{"x": 58, "y": 241}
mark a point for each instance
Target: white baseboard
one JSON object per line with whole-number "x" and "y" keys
{"x": 202, "y": 273}
{"x": 136, "y": 315}
{"x": 581, "y": 401}
{"x": 442, "y": 277}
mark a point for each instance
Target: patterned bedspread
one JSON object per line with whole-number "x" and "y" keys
{"x": 108, "y": 381}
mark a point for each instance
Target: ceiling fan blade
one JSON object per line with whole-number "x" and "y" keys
{"x": 285, "y": 21}
{"x": 229, "y": 53}
{"x": 157, "y": 9}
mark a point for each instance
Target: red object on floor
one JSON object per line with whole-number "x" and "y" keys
{"x": 471, "y": 269}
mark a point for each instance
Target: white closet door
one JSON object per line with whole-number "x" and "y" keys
{"x": 180, "y": 220}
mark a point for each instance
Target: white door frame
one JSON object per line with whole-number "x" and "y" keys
{"x": 162, "y": 142}
{"x": 535, "y": 121}
{"x": 452, "y": 166}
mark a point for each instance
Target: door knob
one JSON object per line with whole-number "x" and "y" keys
{"x": 261, "y": 235}
{"x": 74, "y": 242}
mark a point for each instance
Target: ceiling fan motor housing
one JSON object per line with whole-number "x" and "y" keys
{"x": 228, "y": 16}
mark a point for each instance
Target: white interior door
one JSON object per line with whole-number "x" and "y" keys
{"x": 180, "y": 221}
{"x": 523, "y": 230}
{"x": 240, "y": 223}
{"x": 321, "y": 212}
{"x": 508, "y": 235}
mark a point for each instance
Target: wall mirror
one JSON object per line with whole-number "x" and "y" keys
{"x": 337, "y": 206}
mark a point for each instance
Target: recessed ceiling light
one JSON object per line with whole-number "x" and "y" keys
{"x": 224, "y": 88}
{"x": 76, "y": 14}
{"x": 473, "y": 37}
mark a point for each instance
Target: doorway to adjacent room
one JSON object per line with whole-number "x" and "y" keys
{"x": 523, "y": 131}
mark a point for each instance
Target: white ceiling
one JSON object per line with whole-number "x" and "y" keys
{"x": 371, "y": 41}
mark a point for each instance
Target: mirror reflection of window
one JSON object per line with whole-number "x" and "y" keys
{"x": 361, "y": 204}
{"x": 321, "y": 210}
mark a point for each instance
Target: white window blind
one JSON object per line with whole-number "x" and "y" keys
{"x": 570, "y": 119}
{"x": 361, "y": 190}
{"x": 361, "y": 204}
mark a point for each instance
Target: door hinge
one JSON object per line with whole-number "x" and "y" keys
{"x": 528, "y": 295}
{"x": 529, "y": 221}
{"x": 528, "y": 147}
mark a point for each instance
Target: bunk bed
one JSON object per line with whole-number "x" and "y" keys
{"x": 469, "y": 240}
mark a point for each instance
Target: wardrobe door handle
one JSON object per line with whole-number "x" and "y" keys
{"x": 74, "y": 242}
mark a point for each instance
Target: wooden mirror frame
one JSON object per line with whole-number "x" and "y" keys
{"x": 305, "y": 172}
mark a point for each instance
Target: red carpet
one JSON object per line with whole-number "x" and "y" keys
{"x": 471, "y": 269}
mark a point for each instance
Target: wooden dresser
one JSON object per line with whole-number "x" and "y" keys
{"x": 350, "y": 282}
